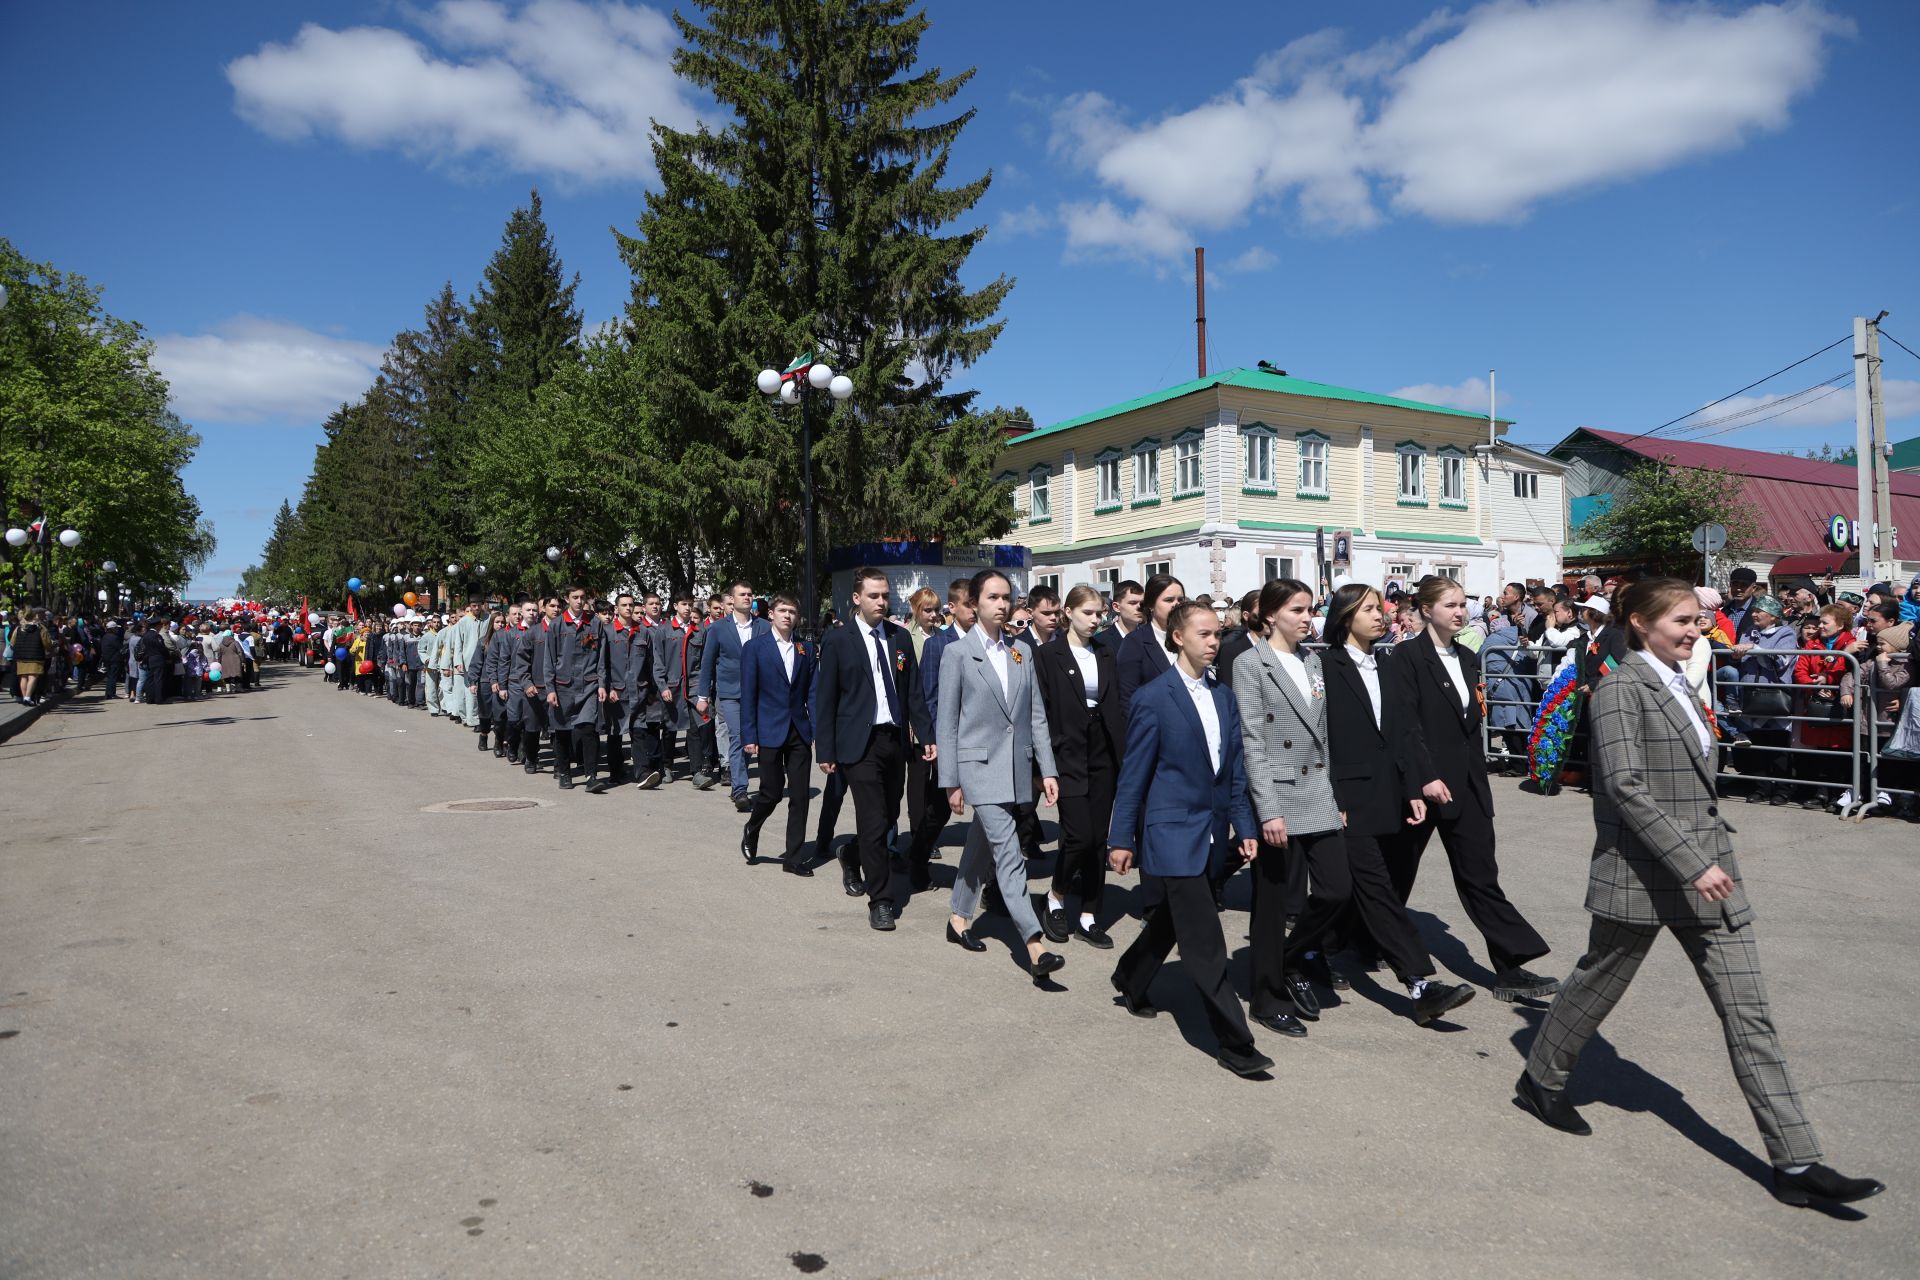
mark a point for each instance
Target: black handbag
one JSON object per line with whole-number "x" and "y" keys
{"x": 1764, "y": 702}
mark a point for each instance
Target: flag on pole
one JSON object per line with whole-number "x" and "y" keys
{"x": 800, "y": 364}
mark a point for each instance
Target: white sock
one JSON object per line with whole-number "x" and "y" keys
{"x": 1086, "y": 921}
{"x": 1053, "y": 903}
{"x": 1417, "y": 986}
{"x": 1795, "y": 1168}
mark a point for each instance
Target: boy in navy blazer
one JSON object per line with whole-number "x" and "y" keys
{"x": 776, "y": 728}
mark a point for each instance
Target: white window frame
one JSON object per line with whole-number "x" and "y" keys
{"x": 1453, "y": 468}
{"x": 1189, "y": 464}
{"x": 1259, "y": 443}
{"x": 1455, "y": 573}
{"x": 1313, "y": 451}
{"x": 1106, "y": 579}
{"x": 1039, "y": 495}
{"x": 1403, "y": 572}
{"x": 1272, "y": 567}
{"x": 1106, "y": 468}
{"x": 1146, "y": 473}
{"x": 1526, "y": 484}
{"x": 1151, "y": 567}
{"x": 1049, "y": 580}
{"x": 1406, "y": 451}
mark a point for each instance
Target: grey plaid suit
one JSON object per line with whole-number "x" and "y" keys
{"x": 1285, "y": 736}
{"x": 1657, "y": 828}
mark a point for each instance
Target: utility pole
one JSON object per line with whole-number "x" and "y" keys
{"x": 1874, "y": 542}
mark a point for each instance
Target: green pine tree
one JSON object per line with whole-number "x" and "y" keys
{"x": 818, "y": 220}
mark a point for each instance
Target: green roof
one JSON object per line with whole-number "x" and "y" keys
{"x": 1905, "y": 456}
{"x": 1255, "y": 380}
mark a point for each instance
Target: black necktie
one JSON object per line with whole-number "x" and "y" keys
{"x": 886, "y": 677}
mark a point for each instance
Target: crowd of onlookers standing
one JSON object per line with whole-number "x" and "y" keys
{"x": 145, "y": 658}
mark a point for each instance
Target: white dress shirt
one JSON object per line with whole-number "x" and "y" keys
{"x": 1296, "y": 671}
{"x": 786, "y": 655}
{"x": 1450, "y": 659}
{"x": 877, "y": 659}
{"x": 1089, "y": 665}
{"x": 1368, "y": 665}
{"x": 1202, "y": 696}
{"x": 997, "y": 659}
{"x": 744, "y": 629}
{"x": 1159, "y": 638}
{"x": 1676, "y": 683}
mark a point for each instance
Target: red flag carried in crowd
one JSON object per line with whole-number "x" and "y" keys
{"x": 351, "y": 611}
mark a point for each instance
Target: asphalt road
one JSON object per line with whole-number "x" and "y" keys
{"x": 262, "y": 1014}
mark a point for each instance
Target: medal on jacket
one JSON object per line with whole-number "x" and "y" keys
{"x": 1015, "y": 653}
{"x": 900, "y": 662}
{"x": 1480, "y": 692}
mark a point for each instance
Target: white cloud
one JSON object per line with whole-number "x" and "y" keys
{"x": 556, "y": 87}
{"x": 1469, "y": 394}
{"x": 1463, "y": 118}
{"x": 1102, "y": 229}
{"x": 251, "y": 370}
{"x": 1823, "y": 406}
{"x": 1023, "y": 222}
{"x": 1257, "y": 258}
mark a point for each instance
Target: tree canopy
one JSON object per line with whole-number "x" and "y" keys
{"x": 1652, "y": 518}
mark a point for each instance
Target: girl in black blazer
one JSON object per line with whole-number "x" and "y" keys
{"x": 1378, "y": 801}
{"x": 1435, "y": 689}
{"x": 1081, "y": 692}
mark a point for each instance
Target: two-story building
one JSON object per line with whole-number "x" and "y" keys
{"x": 1239, "y": 477}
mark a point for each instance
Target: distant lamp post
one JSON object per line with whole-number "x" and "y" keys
{"x": 553, "y": 555}
{"x": 18, "y": 537}
{"x": 69, "y": 538}
{"x": 795, "y": 385}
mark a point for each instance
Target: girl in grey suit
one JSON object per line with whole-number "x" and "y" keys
{"x": 1662, "y": 860}
{"x": 1283, "y": 727}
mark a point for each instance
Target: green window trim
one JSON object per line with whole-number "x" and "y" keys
{"x": 1144, "y": 502}
{"x": 1109, "y": 508}
{"x": 1033, "y": 520}
{"x": 1460, "y": 539}
{"x": 1449, "y": 505}
{"x": 1411, "y": 502}
{"x": 1261, "y": 490}
{"x": 1188, "y": 495}
{"x": 1306, "y": 495}
{"x": 1311, "y": 433}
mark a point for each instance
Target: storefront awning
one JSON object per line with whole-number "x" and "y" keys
{"x": 1814, "y": 564}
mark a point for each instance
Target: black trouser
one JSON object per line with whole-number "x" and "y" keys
{"x": 1084, "y": 819}
{"x": 1184, "y": 914}
{"x": 585, "y": 740}
{"x": 1321, "y": 855}
{"x": 156, "y": 683}
{"x": 833, "y": 793}
{"x": 1763, "y": 758}
{"x": 927, "y": 809}
{"x": 1381, "y": 908}
{"x": 783, "y": 769}
{"x": 616, "y": 755}
{"x": 876, "y": 780}
{"x": 1468, "y": 840}
{"x": 647, "y": 750}
{"x": 700, "y": 741}
{"x": 1026, "y": 823}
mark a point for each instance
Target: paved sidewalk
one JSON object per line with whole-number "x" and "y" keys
{"x": 262, "y": 1014}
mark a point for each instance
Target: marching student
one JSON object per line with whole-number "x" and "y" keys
{"x": 869, "y": 696}
{"x": 720, "y": 678}
{"x": 926, "y": 829}
{"x": 1082, "y": 698}
{"x": 1662, "y": 859}
{"x": 1182, "y": 782}
{"x": 576, "y": 674}
{"x": 993, "y": 724}
{"x": 1435, "y": 688}
{"x": 776, "y": 723}
{"x": 1143, "y": 654}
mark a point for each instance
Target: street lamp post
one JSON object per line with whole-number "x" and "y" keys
{"x": 796, "y": 385}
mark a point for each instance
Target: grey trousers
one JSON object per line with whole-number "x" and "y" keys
{"x": 994, "y": 837}
{"x": 1728, "y": 964}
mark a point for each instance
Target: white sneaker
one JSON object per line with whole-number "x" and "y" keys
{"x": 1845, "y": 801}
{"x": 1883, "y": 801}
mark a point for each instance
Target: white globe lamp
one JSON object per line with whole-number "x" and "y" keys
{"x": 768, "y": 382}
{"x": 819, "y": 376}
{"x": 841, "y": 387}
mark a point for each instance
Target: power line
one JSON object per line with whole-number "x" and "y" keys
{"x": 1731, "y": 394}
{"x": 1783, "y": 403}
{"x": 1903, "y": 346}
{"x": 1742, "y": 426}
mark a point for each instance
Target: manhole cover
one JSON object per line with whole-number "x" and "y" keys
{"x": 496, "y": 805}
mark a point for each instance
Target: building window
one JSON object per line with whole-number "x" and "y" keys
{"x": 1106, "y": 580}
{"x": 1189, "y": 475}
{"x": 1146, "y": 473}
{"x": 1013, "y": 492}
{"x": 1453, "y": 478}
{"x": 1413, "y": 475}
{"x": 1051, "y": 581}
{"x": 1039, "y": 496}
{"x": 1107, "y": 467}
{"x": 1155, "y": 567}
{"x": 1312, "y": 479}
{"x": 1272, "y": 567}
{"x": 1402, "y": 573}
{"x": 1256, "y": 448}
{"x": 1451, "y": 572}
{"x": 1526, "y": 484}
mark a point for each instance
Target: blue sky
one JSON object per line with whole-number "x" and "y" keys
{"x": 1629, "y": 208}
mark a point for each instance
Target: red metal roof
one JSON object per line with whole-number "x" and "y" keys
{"x": 1795, "y": 497}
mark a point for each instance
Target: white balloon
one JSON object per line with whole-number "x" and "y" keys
{"x": 419, "y": 581}
{"x": 331, "y": 668}
{"x": 768, "y": 382}
{"x": 789, "y": 394}
{"x": 399, "y": 611}
{"x": 841, "y": 386}
{"x": 820, "y": 375}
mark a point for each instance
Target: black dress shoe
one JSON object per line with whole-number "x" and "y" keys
{"x": 852, "y": 881}
{"x": 1305, "y": 1003}
{"x": 1244, "y": 1062}
{"x": 566, "y": 782}
{"x": 1054, "y": 925}
{"x": 597, "y": 786}
{"x": 965, "y": 941}
{"x": 1283, "y": 1023}
{"x": 1220, "y": 896}
{"x": 1551, "y": 1106}
{"x": 750, "y": 846}
{"x": 795, "y": 867}
{"x": 1817, "y": 1182}
{"x": 1437, "y": 998}
{"x": 1049, "y": 962}
{"x": 742, "y": 804}
{"x": 1138, "y": 1008}
{"x": 880, "y": 916}
{"x": 1518, "y": 984}
{"x": 1095, "y": 937}
{"x": 1317, "y": 969}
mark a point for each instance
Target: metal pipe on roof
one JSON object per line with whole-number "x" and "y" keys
{"x": 1200, "y": 304}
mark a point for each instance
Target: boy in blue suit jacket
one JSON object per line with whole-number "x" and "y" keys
{"x": 776, "y": 728}
{"x": 1183, "y": 780}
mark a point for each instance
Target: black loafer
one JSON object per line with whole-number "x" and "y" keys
{"x": 1283, "y": 1023}
{"x": 1095, "y": 937}
{"x": 597, "y": 787}
{"x": 1244, "y": 1062}
{"x": 795, "y": 867}
{"x": 1138, "y": 1008}
{"x": 566, "y": 783}
{"x": 1049, "y": 962}
{"x": 1817, "y": 1182}
{"x": 1551, "y": 1106}
{"x": 1054, "y": 925}
{"x": 852, "y": 881}
{"x": 1437, "y": 998}
{"x": 748, "y": 849}
{"x": 965, "y": 941}
{"x": 1305, "y": 1003}
{"x": 880, "y": 917}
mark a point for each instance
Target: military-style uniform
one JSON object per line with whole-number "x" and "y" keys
{"x": 575, "y": 667}
{"x": 632, "y": 658}
{"x": 430, "y": 668}
{"x": 494, "y": 661}
{"x": 527, "y": 711}
{"x": 410, "y": 671}
{"x": 457, "y": 643}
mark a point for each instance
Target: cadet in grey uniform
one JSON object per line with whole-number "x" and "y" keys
{"x": 576, "y": 673}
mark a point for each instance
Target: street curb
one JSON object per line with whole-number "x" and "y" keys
{"x": 16, "y": 718}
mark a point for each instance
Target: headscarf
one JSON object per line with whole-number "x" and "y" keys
{"x": 1767, "y": 604}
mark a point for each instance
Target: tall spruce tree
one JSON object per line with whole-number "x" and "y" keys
{"x": 816, "y": 221}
